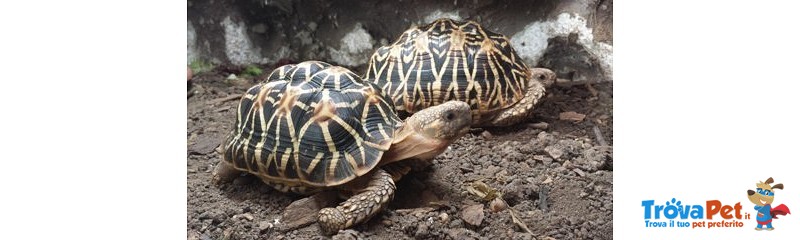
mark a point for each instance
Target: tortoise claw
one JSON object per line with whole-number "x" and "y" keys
{"x": 360, "y": 207}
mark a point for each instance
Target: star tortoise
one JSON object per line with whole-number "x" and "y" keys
{"x": 451, "y": 60}
{"x": 313, "y": 127}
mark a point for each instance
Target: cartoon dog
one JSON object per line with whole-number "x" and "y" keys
{"x": 762, "y": 198}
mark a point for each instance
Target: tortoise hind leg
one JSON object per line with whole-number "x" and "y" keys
{"x": 360, "y": 207}
{"x": 224, "y": 173}
{"x": 541, "y": 78}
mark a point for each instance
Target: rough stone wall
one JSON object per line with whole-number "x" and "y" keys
{"x": 572, "y": 37}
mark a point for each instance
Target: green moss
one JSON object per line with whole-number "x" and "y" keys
{"x": 252, "y": 71}
{"x": 200, "y": 66}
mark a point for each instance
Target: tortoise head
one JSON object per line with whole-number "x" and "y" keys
{"x": 542, "y": 75}
{"x": 427, "y": 133}
{"x": 445, "y": 122}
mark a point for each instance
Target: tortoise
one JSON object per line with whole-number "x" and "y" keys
{"x": 313, "y": 126}
{"x": 453, "y": 60}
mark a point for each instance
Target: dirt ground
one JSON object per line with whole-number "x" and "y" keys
{"x": 556, "y": 179}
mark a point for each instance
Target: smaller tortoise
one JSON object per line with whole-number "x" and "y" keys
{"x": 450, "y": 60}
{"x": 312, "y": 127}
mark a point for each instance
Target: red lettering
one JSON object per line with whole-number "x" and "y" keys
{"x": 712, "y": 207}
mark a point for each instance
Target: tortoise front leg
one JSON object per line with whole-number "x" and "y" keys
{"x": 360, "y": 207}
{"x": 520, "y": 111}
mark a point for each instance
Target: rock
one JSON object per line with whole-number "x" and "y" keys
{"x": 204, "y": 145}
{"x": 541, "y": 125}
{"x": 312, "y": 26}
{"x": 247, "y": 216}
{"x": 227, "y": 234}
{"x": 574, "y": 38}
{"x": 554, "y": 152}
{"x": 456, "y": 223}
{"x": 232, "y": 77}
{"x": 188, "y": 74}
{"x": 497, "y": 205}
{"x": 578, "y": 52}
{"x": 193, "y": 235}
{"x": 348, "y": 234}
{"x": 238, "y": 48}
{"x": 303, "y": 212}
{"x": 544, "y": 159}
{"x": 543, "y": 193}
{"x": 423, "y": 229}
{"x": 571, "y": 116}
{"x": 191, "y": 42}
{"x": 491, "y": 170}
{"x": 525, "y": 236}
{"x": 544, "y": 138}
{"x": 440, "y": 14}
{"x": 473, "y": 214}
{"x": 460, "y": 233}
{"x": 265, "y": 225}
{"x": 548, "y": 180}
{"x": 444, "y": 218}
{"x": 579, "y": 172}
{"x": 567, "y": 164}
{"x": 486, "y": 134}
{"x": 216, "y": 216}
{"x": 354, "y": 49}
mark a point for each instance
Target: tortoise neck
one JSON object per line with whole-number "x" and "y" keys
{"x": 409, "y": 143}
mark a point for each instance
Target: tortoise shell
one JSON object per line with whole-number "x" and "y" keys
{"x": 450, "y": 60}
{"x": 311, "y": 124}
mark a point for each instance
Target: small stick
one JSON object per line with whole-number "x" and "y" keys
{"x": 599, "y": 136}
{"x": 591, "y": 89}
{"x": 224, "y": 99}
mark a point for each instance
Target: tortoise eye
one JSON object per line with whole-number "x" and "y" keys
{"x": 449, "y": 116}
{"x": 541, "y": 77}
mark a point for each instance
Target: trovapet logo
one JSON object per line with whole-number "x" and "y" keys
{"x": 709, "y": 215}
{"x": 716, "y": 214}
{"x": 763, "y": 197}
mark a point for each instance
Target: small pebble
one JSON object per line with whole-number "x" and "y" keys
{"x": 473, "y": 214}
{"x": 497, "y": 205}
{"x": 264, "y": 225}
{"x": 486, "y": 134}
{"x": 579, "y": 172}
{"x": 541, "y": 125}
{"x": 554, "y": 152}
{"x": 444, "y": 218}
{"x": 548, "y": 180}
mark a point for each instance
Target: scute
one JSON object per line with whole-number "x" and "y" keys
{"x": 311, "y": 124}
{"x": 449, "y": 60}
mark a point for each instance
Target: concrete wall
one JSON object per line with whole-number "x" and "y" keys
{"x": 573, "y": 37}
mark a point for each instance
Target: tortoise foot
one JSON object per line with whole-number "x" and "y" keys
{"x": 360, "y": 207}
{"x": 224, "y": 172}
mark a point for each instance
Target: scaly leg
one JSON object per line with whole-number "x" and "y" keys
{"x": 360, "y": 207}
{"x": 520, "y": 111}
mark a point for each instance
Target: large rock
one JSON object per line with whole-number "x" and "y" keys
{"x": 573, "y": 37}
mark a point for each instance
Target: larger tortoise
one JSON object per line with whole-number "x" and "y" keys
{"x": 451, "y": 60}
{"x": 313, "y": 126}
